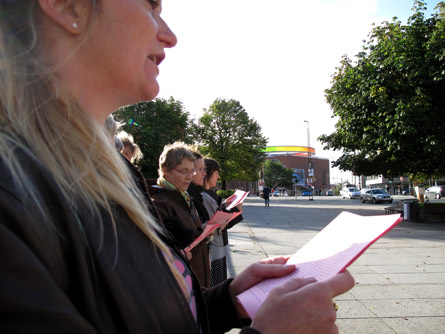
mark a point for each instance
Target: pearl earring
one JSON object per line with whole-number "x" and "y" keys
{"x": 75, "y": 25}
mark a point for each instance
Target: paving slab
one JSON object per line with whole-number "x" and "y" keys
{"x": 364, "y": 326}
{"x": 423, "y": 290}
{"x": 375, "y": 291}
{"x": 402, "y": 307}
{"x": 424, "y": 325}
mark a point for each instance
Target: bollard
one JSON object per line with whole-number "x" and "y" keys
{"x": 406, "y": 211}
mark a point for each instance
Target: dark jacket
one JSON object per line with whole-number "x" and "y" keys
{"x": 195, "y": 192}
{"x": 170, "y": 204}
{"x": 67, "y": 272}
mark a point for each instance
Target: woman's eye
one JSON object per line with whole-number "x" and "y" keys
{"x": 154, "y": 3}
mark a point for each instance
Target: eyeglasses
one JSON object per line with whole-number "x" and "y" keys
{"x": 185, "y": 171}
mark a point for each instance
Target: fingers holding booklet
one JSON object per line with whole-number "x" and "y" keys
{"x": 303, "y": 298}
{"x": 302, "y": 305}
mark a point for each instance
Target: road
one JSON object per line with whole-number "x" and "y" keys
{"x": 400, "y": 280}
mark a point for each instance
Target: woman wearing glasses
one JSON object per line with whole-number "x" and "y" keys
{"x": 175, "y": 206}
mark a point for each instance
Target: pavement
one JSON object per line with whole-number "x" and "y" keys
{"x": 400, "y": 279}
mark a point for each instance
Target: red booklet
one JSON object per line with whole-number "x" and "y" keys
{"x": 218, "y": 218}
{"x": 330, "y": 252}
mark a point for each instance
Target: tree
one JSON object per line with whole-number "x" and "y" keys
{"x": 153, "y": 125}
{"x": 227, "y": 134}
{"x": 391, "y": 102}
{"x": 277, "y": 175}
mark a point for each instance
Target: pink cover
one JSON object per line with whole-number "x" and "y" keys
{"x": 218, "y": 218}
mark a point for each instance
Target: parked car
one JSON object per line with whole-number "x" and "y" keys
{"x": 328, "y": 193}
{"x": 350, "y": 192}
{"x": 276, "y": 193}
{"x": 306, "y": 193}
{"x": 434, "y": 192}
{"x": 375, "y": 195}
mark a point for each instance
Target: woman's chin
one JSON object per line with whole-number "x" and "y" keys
{"x": 149, "y": 92}
{"x": 152, "y": 92}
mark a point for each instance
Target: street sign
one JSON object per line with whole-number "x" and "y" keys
{"x": 401, "y": 178}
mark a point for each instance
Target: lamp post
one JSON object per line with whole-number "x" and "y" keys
{"x": 310, "y": 170}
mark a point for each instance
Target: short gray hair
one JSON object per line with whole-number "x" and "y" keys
{"x": 173, "y": 154}
{"x": 111, "y": 126}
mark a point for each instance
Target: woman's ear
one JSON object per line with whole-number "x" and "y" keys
{"x": 67, "y": 14}
{"x": 164, "y": 171}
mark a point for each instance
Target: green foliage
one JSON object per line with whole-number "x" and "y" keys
{"x": 391, "y": 103}
{"x": 225, "y": 193}
{"x": 277, "y": 175}
{"x": 227, "y": 134}
{"x": 153, "y": 125}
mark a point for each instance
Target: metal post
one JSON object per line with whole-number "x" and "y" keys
{"x": 309, "y": 162}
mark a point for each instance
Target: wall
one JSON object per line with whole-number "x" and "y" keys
{"x": 320, "y": 165}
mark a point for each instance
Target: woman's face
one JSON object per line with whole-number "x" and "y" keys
{"x": 200, "y": 168}
{"x": 181, "y": 175}
{"x": 213, "y": 180}
{"x": 119, "y": 60}
{"x": 127, "y": 153}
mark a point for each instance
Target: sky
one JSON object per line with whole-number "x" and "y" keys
{"x": 275, "y": 57}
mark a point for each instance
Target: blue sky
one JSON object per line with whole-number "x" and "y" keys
{"x": 402, "y": 8}
{"x": 275, "y": 57}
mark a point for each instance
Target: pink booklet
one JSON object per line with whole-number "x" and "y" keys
{"x": 237, "y": 198}
{"x": 218, "y": 218}
{"x": 330, "y": 252}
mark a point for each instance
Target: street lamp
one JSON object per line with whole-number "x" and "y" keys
{"x": 310, "y": 169}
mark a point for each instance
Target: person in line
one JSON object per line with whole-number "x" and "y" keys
{"x": 266, "y": 195}
{"x": 171, "y": 199}
{"x": 197, "y": 186}
{"x": 219, "y": 244}
{"x": 87, "y": 253}
{"x": 130, "y": 150}
{"x": 111, "y": 128}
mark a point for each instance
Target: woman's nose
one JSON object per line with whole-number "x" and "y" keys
{"x": 166, "y": 35}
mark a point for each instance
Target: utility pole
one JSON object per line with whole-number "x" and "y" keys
{"x": 310, "y": 168}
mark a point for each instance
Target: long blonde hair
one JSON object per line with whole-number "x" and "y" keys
{"x": 56, "y": 131}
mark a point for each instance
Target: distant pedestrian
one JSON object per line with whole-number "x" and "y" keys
{"x": 266, "y": 194}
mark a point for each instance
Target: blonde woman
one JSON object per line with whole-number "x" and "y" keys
{"x": 80, "y": 252}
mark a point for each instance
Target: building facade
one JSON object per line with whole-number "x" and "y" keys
{"x": 308, "y": 168}
{"x": 320, "y": 179}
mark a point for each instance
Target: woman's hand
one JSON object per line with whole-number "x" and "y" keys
{"x": 187, "y": 254}
{"x": 302, "y": 306}
{"x": 240, "y": 207}
{"x": 255, "y": 273}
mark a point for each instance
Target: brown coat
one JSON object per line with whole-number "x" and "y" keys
{"x": 171, "y": 204}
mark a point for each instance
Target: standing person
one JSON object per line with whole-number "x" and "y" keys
{"x": 80, "y": 251}
{"x": 131, "y": 150}
{"x": 111, "y": 127}
{"x": 197, "y": 186}
{"x": 219, "y": 243}
{"x": 171, "y": 199}
{"x": 266, "y": 195}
